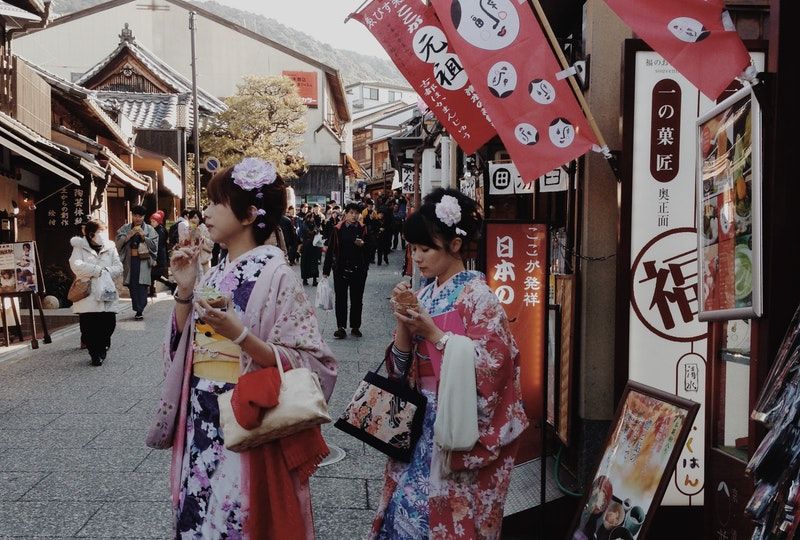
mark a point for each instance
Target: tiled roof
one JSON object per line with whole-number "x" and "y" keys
{"x": 150, "y": 111}
{"x": 160, "y": 69}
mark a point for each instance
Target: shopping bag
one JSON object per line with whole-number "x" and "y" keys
{"x": 325, "y": 295}
{"x": 104, "y": 289}
{"x": 318, "y": 241}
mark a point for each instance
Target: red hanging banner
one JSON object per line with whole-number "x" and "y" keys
{"x": 696, "y": 37}
{"x": 517, "y": 77}
{"x": 413, "y": 37}
{"x": 516, "y": 272}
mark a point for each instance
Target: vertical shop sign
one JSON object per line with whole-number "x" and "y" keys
{"x": 417, "y": 45}
{"x": 69, "y": 208}
{"x": 667, "y": 342}
{"x": 515, "y": 271}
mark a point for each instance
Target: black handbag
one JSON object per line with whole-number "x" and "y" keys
{"x": 387, "y": 414}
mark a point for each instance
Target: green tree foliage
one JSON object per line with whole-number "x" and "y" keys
{"x": 266, "y": 119}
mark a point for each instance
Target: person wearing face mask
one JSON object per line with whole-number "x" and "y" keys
{"x": 91, "y": 256}
{"x": 137, "y": 242}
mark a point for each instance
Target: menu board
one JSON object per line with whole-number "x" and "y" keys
{"x": 18, "y": 267}
{"x": 68, "y": 208}
{"x": 728, "y": 213}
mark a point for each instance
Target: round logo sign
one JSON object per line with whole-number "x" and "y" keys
{"x": 212, "y": 164}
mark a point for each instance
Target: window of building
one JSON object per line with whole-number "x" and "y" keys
{"x": 395, "y": 96}
{"x": 371, "y": 93}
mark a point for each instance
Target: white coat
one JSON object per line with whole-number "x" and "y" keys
{"x": 86, "y": 263}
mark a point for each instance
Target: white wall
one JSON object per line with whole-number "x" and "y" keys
{"x": 224, "y": 56}
{"x": 359, "y": 95}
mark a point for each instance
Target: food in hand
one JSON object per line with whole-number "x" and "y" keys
{"x": 405, "y": 300}
{"x": 213, "y": 297}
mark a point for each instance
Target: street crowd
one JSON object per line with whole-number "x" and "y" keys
{"x": 243, "y": 447}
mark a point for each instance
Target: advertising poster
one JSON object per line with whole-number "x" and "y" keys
{"x": 729, "y": 188}
{"x": 647, "y": 434}
{"x": 306, "y": 82}
{"x": 516, "y": 272}
{"x": 18, "y": 267}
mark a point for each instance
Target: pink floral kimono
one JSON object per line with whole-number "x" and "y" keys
{"x": 419, "y": 499}
{"x": 209, "y": 483}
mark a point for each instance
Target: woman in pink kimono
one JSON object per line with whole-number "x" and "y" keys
{"x": 461, "y": 495}
{"x": 247, "y": 313}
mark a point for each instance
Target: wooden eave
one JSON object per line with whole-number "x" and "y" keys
{"x": 113, "y": 68}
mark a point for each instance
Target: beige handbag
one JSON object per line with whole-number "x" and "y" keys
{"x": 301, "y": 405}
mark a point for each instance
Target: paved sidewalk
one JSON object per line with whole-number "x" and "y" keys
{"x": 73, "y": 463}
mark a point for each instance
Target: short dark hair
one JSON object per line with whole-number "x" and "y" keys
{"x": 352, "y": 206}
{"x": 271, "y": 198}
{"x": 139, "y": 210}
{"x": 424, "y": 228}
{"x": 196, "y": 213}
{"x": 26, "y": 245}
{"x": 185, "y": 212}
{"x": 92, "y": 226}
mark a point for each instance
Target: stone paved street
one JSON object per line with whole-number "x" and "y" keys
{"x": 73, "y": 463}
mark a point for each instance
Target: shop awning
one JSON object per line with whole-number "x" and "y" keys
{"x": 25, "y": 148}
{"x": 123, "y": 172}
{"x": 172, "y": 182}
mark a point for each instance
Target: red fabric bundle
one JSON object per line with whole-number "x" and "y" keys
{"x": 274, "y": 508}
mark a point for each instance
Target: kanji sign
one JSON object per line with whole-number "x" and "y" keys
{"x": 416, "y": 43}
{"x": 306, "y": 82}
{"x": 68, "y": 208}
{"x": 516, "y": 272}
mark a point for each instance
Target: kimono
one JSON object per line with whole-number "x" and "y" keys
{"x": 420, "y": 500}
{"x": 210, "y": 483}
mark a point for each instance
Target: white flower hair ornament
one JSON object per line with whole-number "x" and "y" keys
{"x": 253, "y": 173}
{"x": 449, "y": 212}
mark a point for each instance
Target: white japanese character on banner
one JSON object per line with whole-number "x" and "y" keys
{"x": 503, "y": 271}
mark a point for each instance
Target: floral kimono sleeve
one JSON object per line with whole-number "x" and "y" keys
{"x": 500, "y": 415}
{"x": 295, "y": 333}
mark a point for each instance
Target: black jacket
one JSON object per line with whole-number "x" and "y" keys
{"x": 342, "y": 253}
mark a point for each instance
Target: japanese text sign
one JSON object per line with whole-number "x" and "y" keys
{"x": 306, "y": 82}
{"x": 68, "y": 208}
{"x": 516, "y": 266}
{"x": 416, "y": 43}
{"x": 517, "y": 78}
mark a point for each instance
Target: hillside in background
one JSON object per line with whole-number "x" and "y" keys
{"x": 353, "y": 66}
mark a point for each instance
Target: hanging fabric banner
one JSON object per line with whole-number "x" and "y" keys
{"x": 414, "y": 40}
{"x": 519, "y": 80}
{"x": 697, "y": 37}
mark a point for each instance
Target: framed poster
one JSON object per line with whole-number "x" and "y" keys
{"x": 642, "y": 449}
{"x": 729, "y": 209}
{"x": 18, "y": 267}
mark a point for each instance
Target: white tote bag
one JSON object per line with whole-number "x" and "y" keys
{"x": 325, "y": 295}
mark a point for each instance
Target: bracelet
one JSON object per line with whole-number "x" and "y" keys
{"x": 182, "y": 300}
{"x": 242, "y": 336}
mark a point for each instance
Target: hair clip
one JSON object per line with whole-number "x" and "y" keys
{"x": 259, "y": 195}
{"x": 461, "y": 232}
{"x": 261, "y": 212}
{"x": 253, "y": 173}
{"x": 261, "y": 225}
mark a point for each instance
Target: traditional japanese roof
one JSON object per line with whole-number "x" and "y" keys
{"x": 36, "y": 7}
{"x": 88, "y": 100}
{"x": 376, "y": 114}
{"x": 332, "y": 75}
{"x": 172, "y": 81}
{"x": 151, "y": 111}
{"x": 382, "y": 84}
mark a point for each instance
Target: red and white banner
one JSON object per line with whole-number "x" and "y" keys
{"x": 515, "y": 75}
{"x": 516, "y": 258}
{"x": 416, "y": 43}
{"x": 696, "y": 37}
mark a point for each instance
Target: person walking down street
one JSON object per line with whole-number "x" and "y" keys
{"x": 137, "y": 244}
{"x": 310, "y": 254}
{"x": 197, "y": 234}
{"x": 161, "y": 270}
{"x": 250, "y": 313}
{"x": 347, "y": 258}
{"x": 92, "y": 255}
{"x": 177, "y": 230}
{"x": 373, "y": 226}
{"x": 386, "y": 223}
{"x": 399, "y": 208}
{"x": 445, "y": 491}
{"x": 291, "y": 237}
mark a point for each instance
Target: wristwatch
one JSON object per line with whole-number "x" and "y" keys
{"x": 442, "y": 341}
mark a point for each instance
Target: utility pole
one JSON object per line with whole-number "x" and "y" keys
{"x": 195, "y": 111}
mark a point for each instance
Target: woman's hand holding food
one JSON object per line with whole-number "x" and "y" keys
{"x": 225, "y": 322}
{"x": 413, "y": 317}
